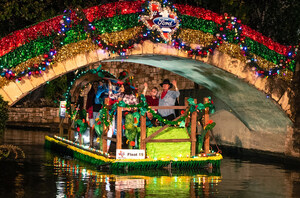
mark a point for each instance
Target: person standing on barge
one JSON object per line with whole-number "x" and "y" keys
{"x": 168, "y": 98}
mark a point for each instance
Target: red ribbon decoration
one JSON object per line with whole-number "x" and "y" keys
{"x": 45, "y": 28}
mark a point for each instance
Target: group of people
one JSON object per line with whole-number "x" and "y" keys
{"x": 166, "y": 98}
{"x": 125, "y": 92}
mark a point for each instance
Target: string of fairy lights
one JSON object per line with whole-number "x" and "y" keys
{"x": 37, "y": 69}
{"x": 228, "y": 30}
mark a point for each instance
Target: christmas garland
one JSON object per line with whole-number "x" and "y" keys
{"x": 51, "y": 26}
{"x": 49, "y": 46}
{"x": 106, "y": 115}
{"x": 49, "y": 54}
{"x": 79, "y": 25}
{"x": 208, "y": 15}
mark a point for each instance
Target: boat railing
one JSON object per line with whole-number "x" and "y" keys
{"x": 190, "y": 120}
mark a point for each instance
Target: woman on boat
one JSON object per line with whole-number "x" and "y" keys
{"x": 92, "y": 107}
{"x": 125, "y": 94}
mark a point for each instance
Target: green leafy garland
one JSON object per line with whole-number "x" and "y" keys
{"x": 230, "y": 30}
{"x": 143, "y": 107}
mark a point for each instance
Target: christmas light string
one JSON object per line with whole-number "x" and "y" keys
{"x": 247, "y": 45}
{"x": 37, "y": 69}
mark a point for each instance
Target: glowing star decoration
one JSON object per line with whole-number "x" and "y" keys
{"x": 163, "y": 20}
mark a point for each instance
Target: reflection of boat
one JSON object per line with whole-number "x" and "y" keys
{"x": 82, "y": 180}
{"x": 175, "y": 172}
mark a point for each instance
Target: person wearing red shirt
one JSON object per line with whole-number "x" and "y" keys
{"x": 151, "y": 99}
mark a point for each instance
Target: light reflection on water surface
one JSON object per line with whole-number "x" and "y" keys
{"x": 45, "y": 174}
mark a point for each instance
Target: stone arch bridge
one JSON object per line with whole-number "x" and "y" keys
{"x": 264, "y": 110}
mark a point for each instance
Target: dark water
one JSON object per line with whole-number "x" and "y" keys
{"x": 45, "y": 174}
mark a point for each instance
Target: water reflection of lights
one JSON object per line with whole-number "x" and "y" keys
{"x": 75, "y": 180}
{"x": 60, "y": 186}
{"x": 202, "y": 179}
{"x": 62, "y": 165}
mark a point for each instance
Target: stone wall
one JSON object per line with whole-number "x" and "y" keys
{"x": 46, "y": 117}
{"x": 141, "y": 74}
{"x": 144, "y": 73}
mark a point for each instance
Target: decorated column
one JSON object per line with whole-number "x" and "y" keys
{"x": 193, "y": 131}
{"x": 119, "y": 127}
{"x": 206, "y": 119}
{"x": 143, "y": 132}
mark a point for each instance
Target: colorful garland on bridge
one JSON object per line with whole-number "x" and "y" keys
{"x": 55, "y": 45}
{"x": 92, "y": 23}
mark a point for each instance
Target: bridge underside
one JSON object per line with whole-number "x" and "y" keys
{"x": 252, "y": 107}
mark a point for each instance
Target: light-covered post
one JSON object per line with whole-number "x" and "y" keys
{"x": 206, "y": 119}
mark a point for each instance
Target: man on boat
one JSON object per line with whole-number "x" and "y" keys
{"x": 168, "y": 98}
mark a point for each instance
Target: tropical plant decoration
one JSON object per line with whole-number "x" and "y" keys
{"x": 200, "y": 138}
{"x": 81, "y": 123}
{"x": 131, "y": 129}
{"x": 99, "y": 124}
{"x": 126, "y": 78}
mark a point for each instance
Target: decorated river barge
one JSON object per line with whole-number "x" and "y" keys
{"x": 180, "y": 143}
